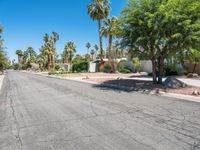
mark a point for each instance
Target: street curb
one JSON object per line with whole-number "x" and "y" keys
{"x": 1, "y": 81}
{"x": 130, "y": 89}
{"x": 153, "y": 92}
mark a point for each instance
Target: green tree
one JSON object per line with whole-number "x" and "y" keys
{"x": 157, "y": 29}
{"x": 92, "y": 52}
{"x": 88, "y": 45}
{"x": 19, "y": 54}
{"x": 32, "y": 54}
{"x": 109, "y": 30}
{"x": 55, "y": 37}
{"x": 70, "y": 48}
{"x": 96, "y": 47}
{"x": 25, "y": 57}
{"x": 48, "y": 49}
{"x": 98, "y": 10}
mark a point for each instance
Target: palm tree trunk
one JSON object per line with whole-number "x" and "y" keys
{"x": 18, "y": 60}
{"x": 49, "y": 62}
{"x": 53, "y": 61}
{"x": 110, "y": 53}
{"x": 100, "y": 39}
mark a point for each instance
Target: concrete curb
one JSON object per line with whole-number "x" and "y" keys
{"x": 1, "y": 81}
{"x": 129, "y": 89}
{"x": 156, "y": 93}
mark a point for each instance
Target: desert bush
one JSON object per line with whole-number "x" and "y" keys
{"x": 80, "y": 67}
{"x": 137, "y": 63}
{"x": 122, "y": 67}
{"x": 107, "y": 67}
{"x": 16, "y": 66}
{"x": 57, "y": 67}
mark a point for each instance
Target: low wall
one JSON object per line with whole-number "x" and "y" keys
{"x": 146, "y": 66}
{"x": 190, "y": 68}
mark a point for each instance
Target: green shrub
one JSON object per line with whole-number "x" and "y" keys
{"x": 57, "y": 72}
{"x": 107, "y": 67}
{"x": 124, "y": 69}
{"x": 57, "y": 67}
{"x": 16, "y": 66}
{"x": 170, "y": 70}
{"x": 80, "y": 67}
{"x": 121, "y": 61}
{"x": 137, "y": 63}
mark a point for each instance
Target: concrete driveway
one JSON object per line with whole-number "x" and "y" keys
{"x": 40, "y": 113}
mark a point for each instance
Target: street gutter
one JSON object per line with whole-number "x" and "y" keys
{"x": 128, "y": 89}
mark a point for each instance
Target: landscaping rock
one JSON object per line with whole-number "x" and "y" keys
{"x": 172, "y": 82}
{"x": 196, "y": 93}
{"x": 195, "y": 75}
{"x": 192, "y": 75}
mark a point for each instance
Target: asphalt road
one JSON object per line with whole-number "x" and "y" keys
{"x": 40, "y": 113}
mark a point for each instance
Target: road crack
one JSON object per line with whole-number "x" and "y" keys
{"x": 17, "y": 136}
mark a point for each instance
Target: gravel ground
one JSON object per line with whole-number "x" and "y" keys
{"x": 148, "y": 85}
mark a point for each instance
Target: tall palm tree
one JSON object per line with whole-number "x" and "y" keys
{"x": 92, "y": 52}
{"x": 96, "y": 49}
{"x": 108, "y": 30}
{"x": 32, "y": 54}
{"x": 54, "y": 38}
{"x": 25, "y": 57}
{"x": 70, "y": 48}
{"x": 19, "y": 54}
{"x": 41, "y": 60}
{"x": 48, "y": 50}
{"x": 1, "y": 40}
{"x": 98, "y": 10}
{"x": 88, "y": 45}
{"x": 1, "y": 29}
{"x": 65, "y": 56}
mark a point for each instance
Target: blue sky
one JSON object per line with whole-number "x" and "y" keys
{"x": 26, "y": 21}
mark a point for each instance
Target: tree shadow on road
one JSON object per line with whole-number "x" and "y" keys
{"x": 130, "y": 85}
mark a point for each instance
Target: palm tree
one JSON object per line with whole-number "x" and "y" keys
{"x": 65, "y": 56}
{"x": 25, "y": 57}
{"x": 108, "y": 30}
{"x": 42, "y": 57}
{"x": 96, "y": 49}
{"x": 1, "y": 29}
{"x": 48, "y": 50}
{"x": 98, "y": 10}
{"x": 32, "y": 54}
{"x": 70, "y": 48}
{"x": 19, "y": 54}
{"x": 41, "y": 60}
{"x": 54, "y": 38}
{"x": 88, "y": 45}
{"x": 92, "y": 52}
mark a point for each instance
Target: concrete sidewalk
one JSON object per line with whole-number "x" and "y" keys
{"x": 1, "y": 81}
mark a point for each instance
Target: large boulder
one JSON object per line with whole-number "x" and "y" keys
{"x": 172, "y": 82}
